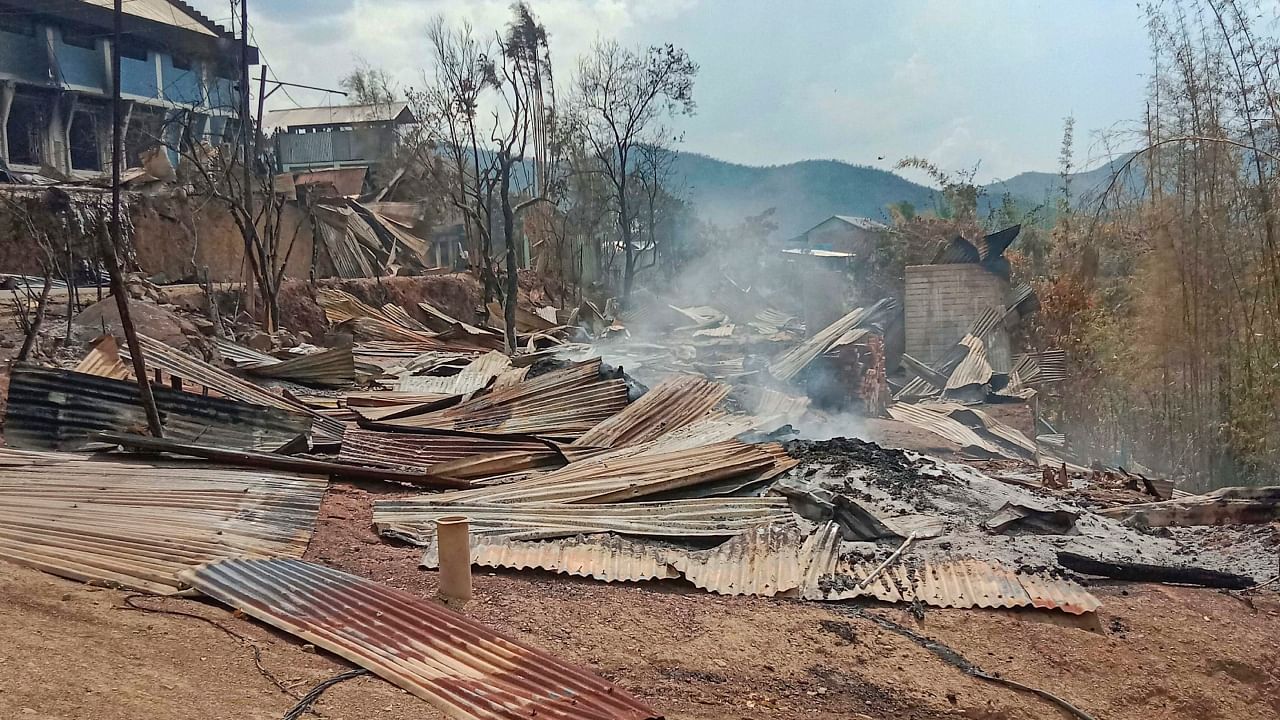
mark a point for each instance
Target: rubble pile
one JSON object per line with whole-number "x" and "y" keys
{"x": 668, "y": 472}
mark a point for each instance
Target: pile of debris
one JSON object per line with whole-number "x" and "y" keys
{"x": 559, "y": 462}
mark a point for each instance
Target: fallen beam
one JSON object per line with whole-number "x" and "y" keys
{"x": 1140, "y": 572}
{"x": 272, "y": 461}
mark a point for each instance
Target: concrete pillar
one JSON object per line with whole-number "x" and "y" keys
{"x": 7, "y": 90}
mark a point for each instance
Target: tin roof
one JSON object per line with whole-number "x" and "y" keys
{"x": 604, "y": 557}
{"x": 463, "y": 668}
{"x": 136, "y": 524}
{"x": 397, "y": 112}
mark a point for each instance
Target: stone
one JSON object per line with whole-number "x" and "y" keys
{"x": 258, "y": 340}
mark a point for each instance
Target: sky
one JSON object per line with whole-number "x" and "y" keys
{"x": 958, "y": 82}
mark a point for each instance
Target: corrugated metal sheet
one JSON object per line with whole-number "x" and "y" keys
{"x": 339, "y": 115}
{"x": 940, "y": 582}
{"x": 677, "y": 401}
{"x": 331, "y": 367}
{"x": 421, "y": 452}
{"x": 176, "y": 363}
{"x": 763, "y": 561}
{"x": 789, "y": 364}
{"x": 52, "y": 409}
{"x": 137, "y": 524}
{"x": 603, "y": 557}
{"x": 179, "y": 15}
{"x": 458, "y": 665}
{"x": 974, "y": 369}
{"x": 561, "y": 404}
{"x": 982, "y": 423}
{"x": 103, "y": 360}
{"x": 413, "y": 520}
{"x": 475, "y": 376}
{"x": 724, "y": 331}
{"x": 944, "y": 427}
{"x": 621, "y": 477}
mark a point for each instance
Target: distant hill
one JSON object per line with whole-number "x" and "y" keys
{"x": 807, "y": 192}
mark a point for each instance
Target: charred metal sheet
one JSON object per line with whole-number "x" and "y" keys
{"x": 943, "y": 426}
{"x": 974, "y": 369}
{"x": 675, "y": 402}
{"x": 477, "y": 375}
{"x": 413, "y": 520}
{"x": 137, "y": 524}
{"x": 421, "y": 452}
{"x": 561, "y": 404}
{"x": 790, "y": 363}
{"x": 764, "y": 561}
{"x": 619, "y": 477}
{"x": 178, "y": 364}
{"x": 1225, "y": 506}
{"x": 604, "y": 557}
{"x": 770, "y": 408}
{"x": 52, "y": 409}
{"x": 458, "y": 665}
{"x": 1010, "y": 440}
{"x": 333, "y": 367}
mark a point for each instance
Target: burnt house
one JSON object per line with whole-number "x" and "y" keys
{"x": 177, "y": 75}
{"x": 338, "y": 136}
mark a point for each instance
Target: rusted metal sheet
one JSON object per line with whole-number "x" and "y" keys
{"x": 137, "y": 524}
{"x": 413, "y": 520}
{"x": 461, "y": 667}
{"x": 675, "y": 402}
{"x": 561, "y": 404}
{"x": 178, "y": 364}
{"x": 604, "y": 557}
{"x": 943, "y": 426}
{"x": 974, "y": 369}
{"x": 940, "y": 582}
{"x": 763, "y": 561}
{"x": 422, "y": 452}
{"x": 103, "y": 360}
{"x": 51, "y": 409}
{"x": 1014, "y": 442}
{"x": 477, "y": 375}
{"x": 332, "y": 367}
{"x": 621, "y": 477}
{"x": 789, "y": 364}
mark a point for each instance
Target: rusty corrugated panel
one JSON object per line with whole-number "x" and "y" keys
{"x": 52, "y": 409}
{"x": 421, "y": 452}
{"x": 477, "y": 375}
{"x": 458, "y": 665}
{"x": 413, "y": 520}
{"x": 763, "y": 561}
{"x": 103, "y": 360}
{"x": 675, "y": 402}
{"x": 621, "y": 477}
{"x": 945, "y": 427}
{"x": 604, "y": 557}
{"x": 562, "y": 404}
{"x": 137, "y": 524}
{"x": 179, "y": 364}
{"x": 974, "y": 369}
{"x": 789, "y": 364}
{"x": 331, "y": 367}
{"x": 982, "y": 423}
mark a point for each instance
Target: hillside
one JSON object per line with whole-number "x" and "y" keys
{"x": 807, "y": 192}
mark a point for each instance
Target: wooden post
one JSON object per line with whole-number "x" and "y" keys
{"x": 110, "y": 258}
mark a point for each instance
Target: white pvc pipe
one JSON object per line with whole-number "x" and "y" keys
{"x": 453, "y": 541}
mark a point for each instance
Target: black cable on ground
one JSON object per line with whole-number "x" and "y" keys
{"x": 305, "y": 703}
{"x": 257, "y": 651}
{"x": 955, "y": 659}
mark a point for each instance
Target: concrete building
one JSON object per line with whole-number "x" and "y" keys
{"x": 177, "y": 75}
{"x": 842, "y": 233}
{"x": 338, "y": 136}
{"x": 942, "y": 301}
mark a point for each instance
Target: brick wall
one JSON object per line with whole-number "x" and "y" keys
{"x": 942, "y": 301}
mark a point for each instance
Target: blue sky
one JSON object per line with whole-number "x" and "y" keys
{"x": 959, "y": 82}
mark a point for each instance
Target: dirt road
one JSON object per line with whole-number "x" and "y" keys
{"x": 1152, "y": 653}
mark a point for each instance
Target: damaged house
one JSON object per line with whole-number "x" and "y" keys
{"x": 177, "y": 70}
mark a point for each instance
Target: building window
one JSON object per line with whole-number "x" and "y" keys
{"x": 144, "y": 133}
{"x": 132, "y": 50}
{"x": 86, "y": 154}
{"x": 25, "y": 131}
{"x": 181, "y": 62}
{"x": 79, "y": 38}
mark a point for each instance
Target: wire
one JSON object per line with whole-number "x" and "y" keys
{"x": 305, "y": 703}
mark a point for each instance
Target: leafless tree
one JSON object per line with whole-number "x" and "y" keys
{"x": 620, "y": 95}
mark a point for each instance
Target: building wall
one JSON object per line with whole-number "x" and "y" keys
{"x": 942, "y": 301}
{"x": 23, "y": 56}
{"x": 79, "y": 67}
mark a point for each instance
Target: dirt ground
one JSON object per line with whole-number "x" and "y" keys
{"x": 1151, "y": 653}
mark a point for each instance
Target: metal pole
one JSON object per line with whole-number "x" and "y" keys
{"x": 111, "y": 257}
{"x": 262, "y": 100}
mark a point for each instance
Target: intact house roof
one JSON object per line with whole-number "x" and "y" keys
{"x": 397, "y": 112}
{"x": 864, "y": 223}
